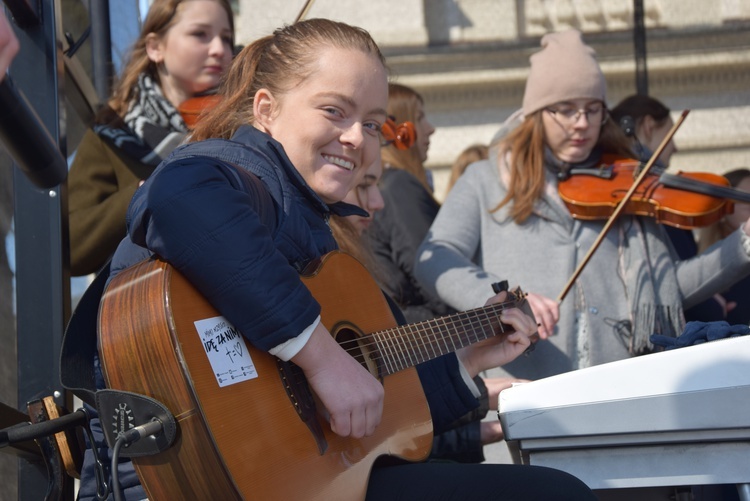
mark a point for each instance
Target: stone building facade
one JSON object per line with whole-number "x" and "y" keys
{"x": 469, "y": 59}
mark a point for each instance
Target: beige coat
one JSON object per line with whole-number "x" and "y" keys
{"x": 101, "y": 182}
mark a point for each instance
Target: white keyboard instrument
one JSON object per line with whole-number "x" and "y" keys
{"x": 679, "y": 417}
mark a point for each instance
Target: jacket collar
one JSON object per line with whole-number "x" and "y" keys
{"x": 249, "y": 135}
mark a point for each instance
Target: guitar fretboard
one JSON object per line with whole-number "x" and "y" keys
{"x": 409, "y": 345}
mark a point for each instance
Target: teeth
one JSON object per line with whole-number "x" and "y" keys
{"x": 340, "y": 162}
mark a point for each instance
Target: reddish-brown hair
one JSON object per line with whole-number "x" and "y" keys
{"x": 403, "y": 105}
{"x": 277, "y": 62}
{"x": 526, "y": 145}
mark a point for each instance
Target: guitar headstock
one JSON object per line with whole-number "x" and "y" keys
{"x": 517, "y": 295}
{"x": 517, "y": 298}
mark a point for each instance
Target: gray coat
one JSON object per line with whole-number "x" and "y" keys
{"x": 468, "y": 248}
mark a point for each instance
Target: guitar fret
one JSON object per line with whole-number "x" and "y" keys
{"x": 403, "y": 348}
{"x": 417, "y": 344}
{"x": 410, "y": 345}
{"x": 415, "y": 354}
{"x": 426, "y": 350}
{"x": 378, "y": 338}
{"x": 388, "y": 352}
{"x": 461, "y": 329}
{"x": 484, "y": 322}
{"x": 485, "y": 325}
{"x": 410, "y": 338}
{"x": 434, "y": 334}
{"x": 428, "y": 334}
{"x": 399, "y": 350}
{"x": 499, "y": 322}
{"x": 453, "y": 343}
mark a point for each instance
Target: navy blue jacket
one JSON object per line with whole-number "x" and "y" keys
{"x": 243, "y": 247}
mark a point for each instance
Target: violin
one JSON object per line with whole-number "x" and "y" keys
{"x": 191, "y": 109}
{"x": 641, "y": 184}
{"x": 685, "y": 200}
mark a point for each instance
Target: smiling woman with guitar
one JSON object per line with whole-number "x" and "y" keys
{"x": 228, "y": 224}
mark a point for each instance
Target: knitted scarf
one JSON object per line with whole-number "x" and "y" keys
{"x": 648, "y": 271}
{"x": 153, "y": 126}
{"x": 646, "y": 268}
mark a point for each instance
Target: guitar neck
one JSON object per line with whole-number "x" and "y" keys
{"x": 408, "y": 345}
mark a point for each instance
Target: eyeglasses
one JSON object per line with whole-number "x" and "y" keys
{"x": 568, "y": 115}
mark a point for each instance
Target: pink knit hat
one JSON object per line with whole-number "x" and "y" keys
{"x": 564, "y": 69}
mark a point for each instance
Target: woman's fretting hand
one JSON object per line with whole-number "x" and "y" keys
{"x": 499, "y": 350}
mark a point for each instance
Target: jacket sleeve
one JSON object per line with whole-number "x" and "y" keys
{"x": 100, "y": 184}
{"x": 402, "y": 224}
{"x": 449, "y": 399}
{"x": 716, "y": 269}
{"x": 445, "y": 260}
{"x": 192, "y": 214}
{"x": 447, "y": 394}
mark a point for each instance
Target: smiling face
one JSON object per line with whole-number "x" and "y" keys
{"x": 572, "y": 141}
{"x": 195, "y": 51}
{"x": 329, "y": 123}
{"x": 367, "y": 195}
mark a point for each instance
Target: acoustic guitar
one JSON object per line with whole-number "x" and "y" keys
{"x": 248, "y": 424}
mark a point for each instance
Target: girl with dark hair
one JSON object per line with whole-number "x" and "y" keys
{"x": 649, "y": 122}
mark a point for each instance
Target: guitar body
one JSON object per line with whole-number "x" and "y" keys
{"x": 260, "y": 438}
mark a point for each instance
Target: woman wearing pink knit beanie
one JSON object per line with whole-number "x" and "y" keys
{"x": 504, "y": 219}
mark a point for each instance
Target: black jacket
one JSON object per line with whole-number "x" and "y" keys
{"x": 395, "y": 235}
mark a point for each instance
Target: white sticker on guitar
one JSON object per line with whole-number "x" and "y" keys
{"x": 226, "y": 350}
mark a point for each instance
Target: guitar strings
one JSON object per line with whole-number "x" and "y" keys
{"x": 399, "y": 347}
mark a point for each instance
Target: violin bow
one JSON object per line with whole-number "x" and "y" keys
{"x": 621, "y": 206}
{"x": 303, "y": 11}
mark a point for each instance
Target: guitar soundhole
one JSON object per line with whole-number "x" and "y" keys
{"x": 352, "y": 343}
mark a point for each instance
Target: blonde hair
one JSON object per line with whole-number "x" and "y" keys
{"x": 526, "y": 145}
{"x": 161, "y": 17}
{"x": 350, "y": 241}
{"x": 471, "y": 154}
{"x": 277, "y": 62}
{"x": 403, "y": 105}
